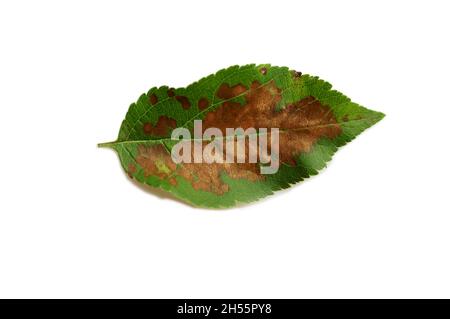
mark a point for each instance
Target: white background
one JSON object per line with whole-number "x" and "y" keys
{"x": 375, "y": 223}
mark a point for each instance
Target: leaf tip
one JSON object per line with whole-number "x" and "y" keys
{"x": 380, "y": 116}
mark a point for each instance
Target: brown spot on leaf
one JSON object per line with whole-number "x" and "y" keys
{"x": 153, "y": 99}
{"x": 203, "y": 103}
{"x": 171, "y": 93}
{"x": 161, "y": 128}
{"x": 184, "y": 101}
{"x": 226, "y": 92}
{"x": 131, "y": 170}
{"x": 301, "y": 124}
{"x": 297, "y": 74}
{"x": 263, "y": 71}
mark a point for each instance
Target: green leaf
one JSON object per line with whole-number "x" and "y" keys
{"x": 313, "y": 121}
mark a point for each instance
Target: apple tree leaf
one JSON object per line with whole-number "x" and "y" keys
{"x": 313, "y": 122}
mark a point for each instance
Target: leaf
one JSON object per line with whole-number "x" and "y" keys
{"x": 313, "y": 122}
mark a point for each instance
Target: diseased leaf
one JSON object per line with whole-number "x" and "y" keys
{"x": 312, "y": 119}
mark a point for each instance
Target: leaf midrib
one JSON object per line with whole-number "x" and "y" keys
{"x": 164, "y": 139}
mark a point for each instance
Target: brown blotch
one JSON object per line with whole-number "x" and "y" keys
{"x": 161, "y": 128}
{"x": 131, "y": 170}
{"x": 203, "y": 103}
{"x": 171, "y": 93}
{"x": 263, "y": 71}
{"x": 155, "y": 160}
{"x": 301, "y": 124}
{"x": 184, "y": 101}
{"x": 153, "y": 99}
{"x": 226, "y": 92}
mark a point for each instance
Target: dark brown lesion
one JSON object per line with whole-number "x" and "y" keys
{"x": 153, "y": 99}
{"x": 184, "y": 101}
{"x": 203, "y": 103}
{"x": 296, "y": 74}
{"x": 161, "y": 128}
{"x": 301, "y": 124}
{"x": 226, "y": 92}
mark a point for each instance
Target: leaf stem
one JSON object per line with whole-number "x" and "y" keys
{"x": 107, "y": 144}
